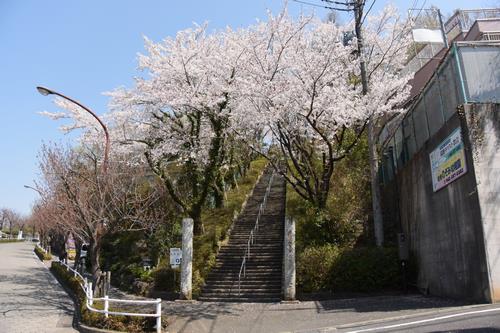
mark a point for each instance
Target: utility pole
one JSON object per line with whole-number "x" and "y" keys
{"x": 378, "y": 224}
{"x": 357, "y": 6}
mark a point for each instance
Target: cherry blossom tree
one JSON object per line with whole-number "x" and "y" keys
{"x": 178, "y": 118}
{"x": 303, "y": 84}
{"x": 290, "y": 89}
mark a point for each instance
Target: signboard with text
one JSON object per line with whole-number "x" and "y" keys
{"x": 71, "y": 247}
{"x": 175, "y": 257}
{"x": 448, "y": 161}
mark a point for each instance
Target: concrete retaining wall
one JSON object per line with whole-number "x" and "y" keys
{"x": 483, "y": 122}
{"x": 444, "y": 228}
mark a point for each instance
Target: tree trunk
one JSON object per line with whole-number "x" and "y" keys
{"x": 195, "y": 214}
{"x": 95, "y": 267}
{"x": 219, "y": 191}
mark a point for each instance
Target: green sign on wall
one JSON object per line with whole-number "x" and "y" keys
{"x": 448, "y": 161}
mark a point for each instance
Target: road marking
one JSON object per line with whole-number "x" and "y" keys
{"x": 425, "y": 320}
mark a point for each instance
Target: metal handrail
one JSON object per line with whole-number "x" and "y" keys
{"x": 87, "y": 289}
{"x": 253, "y": 232}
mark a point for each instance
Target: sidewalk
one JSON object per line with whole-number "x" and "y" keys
{"x": 31, "y": 300}
{"x": 311, "y": 316}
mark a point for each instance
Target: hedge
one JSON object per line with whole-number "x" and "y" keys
{"x": 41, "y": 254}
{"x": 94, "y": 319}
{"x": 11, "y": 240}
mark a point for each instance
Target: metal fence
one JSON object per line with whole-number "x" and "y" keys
{"x": 470, "y": 73}
{"x": 90, "y": 299}
{"x": 428, "y": 52}
{"x": 464, "y": 19}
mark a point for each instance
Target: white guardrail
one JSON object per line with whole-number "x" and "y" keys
{"x": 87, "y": 289}
{"x": 251, "y": 238}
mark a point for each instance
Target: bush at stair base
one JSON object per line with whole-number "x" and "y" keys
{"x": 94, "y": 319}
{"x": 327, "y": 268}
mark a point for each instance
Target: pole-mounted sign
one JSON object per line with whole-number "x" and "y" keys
{"x": 175, "y": 257}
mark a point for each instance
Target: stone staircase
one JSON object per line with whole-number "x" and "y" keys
{"x": 264, "y": 267}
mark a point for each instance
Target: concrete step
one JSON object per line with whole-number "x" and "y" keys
{"x": 259, "y": 283}
{"x": 240, "y": 299}
{"x": 253, "y": 269}
{"x": 232, "y": 250}
{"x": 242, "y": 291}
{"x": 262, "y": 282}
{"x": 224, "y": 276}
{"x": 253, "y": 255}
{"x": 261, "y": 274}
{"x": 243, "y": 294}
{"x": 256, "y": 246}
{"x": 252, "y": 262}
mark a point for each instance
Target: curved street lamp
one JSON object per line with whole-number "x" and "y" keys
{"x": 34, "y": 189}
{"x": 45, "y": 92}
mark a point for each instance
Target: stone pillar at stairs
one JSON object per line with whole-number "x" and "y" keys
{"x": 289, "y": 258}
{"x": 187, "y": 259}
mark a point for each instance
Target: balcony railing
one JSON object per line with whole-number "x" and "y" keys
{"x": 466, "y": 18}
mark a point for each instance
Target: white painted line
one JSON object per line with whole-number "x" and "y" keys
{"x": 425, "y": 320}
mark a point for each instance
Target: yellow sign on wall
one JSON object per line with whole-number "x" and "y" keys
{"x": 448, "y": 161}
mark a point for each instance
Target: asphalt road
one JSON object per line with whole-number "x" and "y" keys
{"x": 469, "y": 319}
{"x": 31, "y": 300}
{"x": 339, "y": 315}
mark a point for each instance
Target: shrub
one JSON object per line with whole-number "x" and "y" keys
{"x": 94, "y": 319}
{"x": 41, "y": 254}
{"x": 367, "y": 269}
{"x": 314, "y": 266}
{"x": 328, "y": 268}
{"x": 163, "y": 278}
{"x": 11, "y": 240}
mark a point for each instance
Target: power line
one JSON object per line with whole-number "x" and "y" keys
{"x": 347, "y": 4}
{"x": 368, "y": 11}
{"x": 322, "y": 6}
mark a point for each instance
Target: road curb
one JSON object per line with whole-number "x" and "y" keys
{"x": 88, "y": 329}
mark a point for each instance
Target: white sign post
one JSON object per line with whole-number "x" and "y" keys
{"x": 175, "y": 257}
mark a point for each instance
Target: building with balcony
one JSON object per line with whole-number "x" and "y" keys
{"x": 440, "y": 168}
